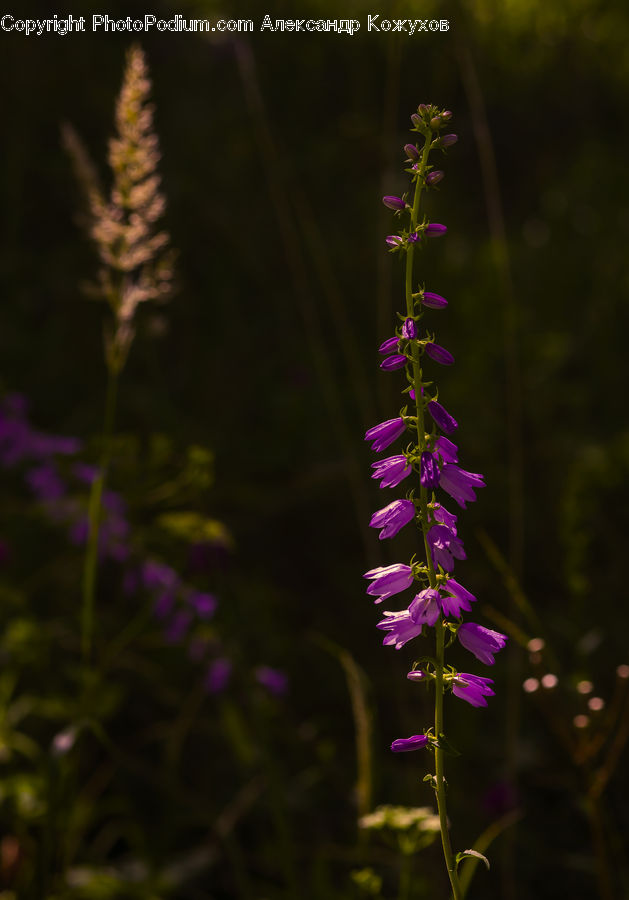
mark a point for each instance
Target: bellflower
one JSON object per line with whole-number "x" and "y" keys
{"x": 457, "y": 598}
{"x": 403, "y": 745}
{"x": 446, "y": 450}
{"x": 390, "y": 519}
{"x": 472, "y": 688}
{"x": 392, "y": 470}
{"x": 482, "y": 642}
{"x": 429, "y": 471}
{"x": 460, "y": 484}
{"x": 394, "y": 202}
{"x": 445, "y": 546}
{"x": 439, "y": 354}
{"x": 441, "y": 514}
{"x": 389, "y": 345}
{"x": 388, "y": 580}
{"x": 435, "y": 230}
{"x": 442, "y": 417}
{"x": 433, "y": 301}
{"x": 425, "y": 607}
{"x": 391, "y": 363}
{"x": 401, "y": 628}
{"x": 385, "y": 433}
{"x": 409, "y": 329}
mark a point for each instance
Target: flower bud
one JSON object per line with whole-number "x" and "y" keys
{"x": 411, "y": 151}
{"x": 394, "y": 202}
{"x": 413, "y": 238}
{"x": 435, "y": 230}
{"x": 434, "y": 177}
{"x": 448, "y": 140}
{"x": 409, "y": 329}
{"x": 394, "y": 240}
{"x": 391, "y": 363}
{"x": 415, "y": 119}
{"x": 423, "y": 108}
{"x": 436, "y": 123}
{"x": 446, "y": 115}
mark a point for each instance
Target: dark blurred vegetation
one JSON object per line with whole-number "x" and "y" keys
{"x": 276, "y": 151}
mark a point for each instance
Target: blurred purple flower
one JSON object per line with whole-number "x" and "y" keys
{"x": 217, "y": 675}
{"x": 45, "y": 482}
{"x": 274, "y": 680}
{"x": 203, "y": 604}
{"x": 178, "y": 626}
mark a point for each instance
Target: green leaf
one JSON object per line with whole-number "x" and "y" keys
{"x": 474, "y": 853}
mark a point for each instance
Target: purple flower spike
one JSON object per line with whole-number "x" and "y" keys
{"x": 394, "y": 202}
{"x": 409, "y": 329}
{"x": 433, "y": 301}
{"x": 460, "y": 484}
{"x": 435, "y": 177}
{"x": 388, "y": 580}
{"x": 403, "y": 745}
{"x": 391, "y": 363}
{"x": 445, "y": 546}
{"x": 460, "y": 599}
{"x": 425, "y": 607}
{"x": 401, "y": 628}
{"x": 435, "y": 230}
{"x": 385, "y": 433}
{"x": 472, "y": 688}
{"x": 388, "y": 345}
{"x": 442, "y": 417}
{"x": 482, "y": 642}
{"x": 429, "y": 471}
{"x": 391, "y": 470}
{"x": 439, "y": 354}
{"x": 390, "y": 519}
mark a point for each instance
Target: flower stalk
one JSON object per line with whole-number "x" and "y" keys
{"x": 440, "y": 600}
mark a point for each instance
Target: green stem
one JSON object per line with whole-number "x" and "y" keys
{"x": 423, "y": 502}
{"x": 90, "y": 570}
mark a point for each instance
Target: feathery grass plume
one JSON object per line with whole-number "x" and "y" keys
{"x": 136, "y": 264}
